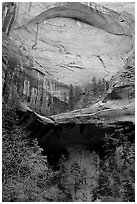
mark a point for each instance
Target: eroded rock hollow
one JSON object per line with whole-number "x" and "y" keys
{"x": 49, "y": 46}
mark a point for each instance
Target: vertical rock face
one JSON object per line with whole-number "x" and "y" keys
{"x": 72, "y": 40}
{"x": 43, "y": 94}
{"x": 65, "y": 43}
{"x": 53, "y": 45}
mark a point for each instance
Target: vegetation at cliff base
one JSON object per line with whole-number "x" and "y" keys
{"x": 90, "y": 93}
{"x": 27, "y": 176}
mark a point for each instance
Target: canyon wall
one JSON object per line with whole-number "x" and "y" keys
{"x": 52, "y": 45}
{"x": 71, "y": 41}
{"x": 47, "y": 47}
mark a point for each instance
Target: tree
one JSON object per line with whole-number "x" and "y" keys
{"x": 77, "y": 95}
{"x": 26, "y": 175}
{"x": 117, "y": 171}
{"x": 100, "y": 86}
{"x": 71, "y": 97}
{"x": 94, "y": 86}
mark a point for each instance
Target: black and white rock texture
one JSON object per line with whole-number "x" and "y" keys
{"x": 53, "y": 45}
{"x": 74, "y": 41}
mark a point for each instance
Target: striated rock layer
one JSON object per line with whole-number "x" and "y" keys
{"x": 71, "y": 41}
{"x": 55, "y": 44}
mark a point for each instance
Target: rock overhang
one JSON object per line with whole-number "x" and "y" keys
{"x": 93, "y": 15}
{"x": 101, "y": 20}
{"x": 60, "y": 133}
{"x": 58, "y": 136}
{"x": 65, "y": 131}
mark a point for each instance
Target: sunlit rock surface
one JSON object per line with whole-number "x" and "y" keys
{"x": 74, "y": 42}
{"x": 52, "y": 45}
{"x": 31, "y": 85}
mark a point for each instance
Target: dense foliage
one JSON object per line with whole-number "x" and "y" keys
{"x": 116, "y": 181}
{"x": 115, "y": 177}
{"x": 25, "y": 172}
{"x": 89, "y": 94}
{"x": 27, "y": 176}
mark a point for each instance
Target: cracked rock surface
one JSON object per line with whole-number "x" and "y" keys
{"x": 74, "y": 41}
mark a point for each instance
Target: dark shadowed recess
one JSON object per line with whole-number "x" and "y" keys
{"x": 58, "y": 139}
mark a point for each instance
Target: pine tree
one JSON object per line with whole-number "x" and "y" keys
{"x": 71, "y": 97}
{"x": 94, "y": 86}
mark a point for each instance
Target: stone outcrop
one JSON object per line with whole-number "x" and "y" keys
{"x": 47, "y": 47}
{"x": 33, "y": 87}
{"x": 55, "y": 44}
{"x": 40, "y": 49}
{"x": 79, "y": 37}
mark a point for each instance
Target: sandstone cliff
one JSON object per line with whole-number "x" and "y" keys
{"x": 52, "y": 45}
{"x": 79, "y": 37}
{"x": 47, "y": 47}
{"x": 66, "y": 42}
